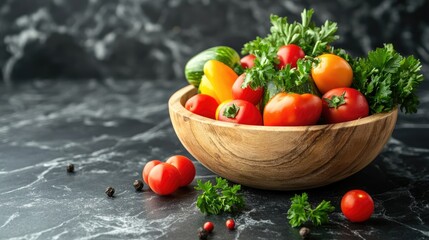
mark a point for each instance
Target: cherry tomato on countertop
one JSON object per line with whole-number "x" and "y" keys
{"x": 357, "y": 205}
{"x": 331, "y": 72}
{"x": 186, "y": 168}
{"x": 247, "y": 93}
{"x": 146, "y": 170}
{"x": 239, "y": 111}
{"x": 248, "y": 61}
{"x": 164, "y": 179}
{"x": 289, "y": 54}
{"x": 208, "y": 226}
{"x": 203, "y": 105}
{"x": 230, "y": 224}
{"x": 291, "y": 109}
{"x": 344, "y": 104}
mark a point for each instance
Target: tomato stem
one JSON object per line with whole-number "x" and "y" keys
{"x": 336, "y": 101}
{"x": 231, "y": 111}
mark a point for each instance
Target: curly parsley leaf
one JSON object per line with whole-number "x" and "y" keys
{"x": 219, "y": 198}
{"x": 312, "y": 39}
{"x": 301, "y": 211}
{"x": 388, "y": 79}
{"x": 320, "y": 214}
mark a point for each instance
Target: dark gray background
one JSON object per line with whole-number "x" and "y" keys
{"x": 146, "y": 39}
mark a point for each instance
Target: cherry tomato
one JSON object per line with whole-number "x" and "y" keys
{"x": 203, "y": 105}
{"x": 247, "y": 93}
{"x": 357, "y": 205}
{"x": 291, "y": 109}
{"x": 147, "y": 168}
{"x": 239, "y": 111}
{"x": 186, "y": 168}
{"x": 230, "y": 224}
{"x": 164, "y": 179}
{"x": 208, "y": 226}
{"x": 289, "y": 54}
{"x": 344, "y": 104}
{"x": 248, "y": 61}
{"x": 331, "y": 72}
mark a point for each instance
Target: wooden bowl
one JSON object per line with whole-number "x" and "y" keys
{"x": 280, "y": 158}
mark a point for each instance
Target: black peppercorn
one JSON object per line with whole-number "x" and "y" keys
{"x": 138, "y": 185}
{"x": 70, "y": 168}
{"x": 110, "y": 191}
{"x": 304, "y": 232}
{"x": 202, "y": 234}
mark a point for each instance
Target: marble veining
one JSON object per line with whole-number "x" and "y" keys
{"x": 87, "y": 82}
{"x": 109, "y": 130}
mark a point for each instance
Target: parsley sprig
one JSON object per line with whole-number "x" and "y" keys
{"x": 301, "y": 211}
{"x": 312, "y": 39}
{"x": 388, "y": 79}
{"x": 219, "y": 198}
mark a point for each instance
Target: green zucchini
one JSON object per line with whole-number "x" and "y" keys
{"x": 194, "y": 67}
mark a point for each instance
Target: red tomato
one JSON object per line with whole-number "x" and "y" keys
{"x": 247, "y": 93}
{"x": 289, "y": 54}
{"x": 203, "y": 105}
{"x": 357, "y": 205}
{"x": 331, "y": 72}
{"x": 147, "y": 168}
{"x": 186, "y": 168}
{"x": 240, "y": 111}
{"x": 230, "y": 224}
{"x": 164, "y": 179}
{"x": 291, "y": 109}
{"x": 344, "y": 104}
{"x": 248, "y": 61}
{"x": 208, "y": 226}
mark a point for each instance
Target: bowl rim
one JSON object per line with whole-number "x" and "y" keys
{"x": 175, "y": 104}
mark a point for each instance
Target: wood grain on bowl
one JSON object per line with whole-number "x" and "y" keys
{"x": 280, "y": 158}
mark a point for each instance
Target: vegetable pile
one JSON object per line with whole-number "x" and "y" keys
{"x": 294, "y": 77}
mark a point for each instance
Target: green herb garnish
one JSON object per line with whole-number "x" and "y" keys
{"x": 388, "y": 79}
{"x": 312, "y": 39}
{"x": 219, "y": 198}
{"x": 301, "y": 211}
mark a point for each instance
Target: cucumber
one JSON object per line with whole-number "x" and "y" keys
{"x": 272, "y": 89}
{"x": 194, "y": 67}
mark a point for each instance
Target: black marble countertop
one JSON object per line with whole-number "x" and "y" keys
{"x": 110, "y": 129}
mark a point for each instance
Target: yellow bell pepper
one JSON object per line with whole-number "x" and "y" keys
{"x": 221, "y": 78}
{"x": 207, "y": 88}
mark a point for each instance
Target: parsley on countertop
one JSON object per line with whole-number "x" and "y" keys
{"x": 219, "y": 198}
{"x": 301, "y": 211}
